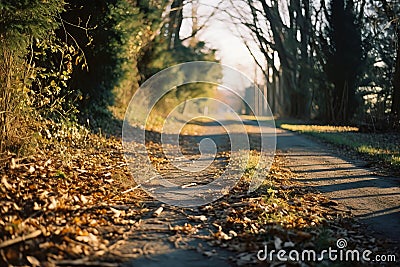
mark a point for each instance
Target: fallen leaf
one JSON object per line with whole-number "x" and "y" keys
{"x": 32, "y": 260}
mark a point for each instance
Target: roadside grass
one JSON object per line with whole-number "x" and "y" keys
{"x": 382, "y": 149}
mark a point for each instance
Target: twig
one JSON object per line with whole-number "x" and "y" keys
{"x": 126, "y": 255}
{"x": 83, "y": 262}
{"x": 188, "y": 185}
{"x": 131, "y": 189}
{"x": 139, "y": 185}
{"x": 20, "y": 239}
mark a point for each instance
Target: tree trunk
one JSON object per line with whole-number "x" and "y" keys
{"x": 175, "y": 23}
{"x": 396, "y": 83}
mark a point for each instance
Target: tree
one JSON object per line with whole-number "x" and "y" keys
{"x": 175, "y": 24}
{"x": 114, "y": 36}
{"x": 102, "y": 29}
{"x": 344, "y": 59}
{"x": 375, "y": 85}
{"x": 283, "y": 33}
{"x": 393, "y": 18}
{"x": 168, "y": 49}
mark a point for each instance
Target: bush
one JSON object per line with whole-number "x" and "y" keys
{"x": 21, "y": 22}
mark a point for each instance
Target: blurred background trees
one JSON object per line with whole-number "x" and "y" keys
{"x": 81, "y": 61}
{"x": 333, "y": 60}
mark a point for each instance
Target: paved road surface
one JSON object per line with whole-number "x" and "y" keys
{"x": 372, "y": 198}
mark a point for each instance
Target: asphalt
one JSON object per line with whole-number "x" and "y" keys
{"x": 372, "y": 198}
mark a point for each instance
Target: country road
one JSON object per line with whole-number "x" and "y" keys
{"x": 371, "y": 198}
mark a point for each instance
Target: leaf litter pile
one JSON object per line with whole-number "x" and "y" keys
{"x": 79, "y": 206}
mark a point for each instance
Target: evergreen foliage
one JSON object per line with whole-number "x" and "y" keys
{"x": 344, "y": 60}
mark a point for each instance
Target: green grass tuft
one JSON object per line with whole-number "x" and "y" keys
{"x": 375, "y": 147}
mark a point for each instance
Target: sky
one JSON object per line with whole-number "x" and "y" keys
{"x": 220, "y": 33}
